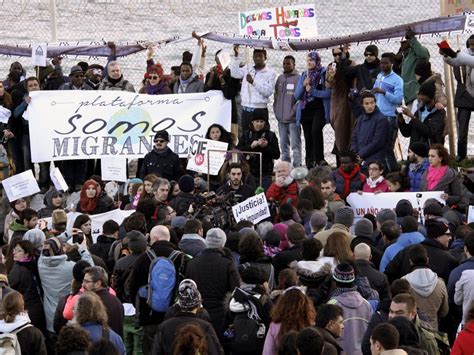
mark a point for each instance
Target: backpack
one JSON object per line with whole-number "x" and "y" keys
{"x": 9, "y": 344}
{"x": 161, "y": 281}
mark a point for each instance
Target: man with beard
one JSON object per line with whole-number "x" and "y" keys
{"x": 236, "y": 184}
{"x": 94, "y": 76}
{"x": 417, "y": 164}
{"x": 284, "y": 189}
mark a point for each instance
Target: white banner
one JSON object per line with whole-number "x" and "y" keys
{"x": 20, "y": 185}
{"x": 97, "y": 220}
{"x": 80, "y": 124}
{"x": 253, "y": 209}
{"x": 283, "y": 22}
{"x": 200, "y": 151}
{"x": 372, "y": 203}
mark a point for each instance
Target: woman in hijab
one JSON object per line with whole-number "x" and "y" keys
{"x": 89, "y": 201}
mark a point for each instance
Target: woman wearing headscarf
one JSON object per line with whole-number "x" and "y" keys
{"x": 53, "y": 199}
{"x": 312, "y": 109}
{"x": 89, "y": 201}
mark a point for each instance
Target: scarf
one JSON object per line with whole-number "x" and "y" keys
{"x": 347, "y": 178}
{"x": 183, "y": 84}
{"x": 435, "y": 175}
{"x": 314, "y": 76}
{"x": 135, "y": 201}
{"x": 414, "y": 167}
{"x": 158, "y": 89}
{"x": 374, "y": 65}
{"x": 373, "y": 183}
{"x": 114, "y": 81}
{"x": 87, "y": 204}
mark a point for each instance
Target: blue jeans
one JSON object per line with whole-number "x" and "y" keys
{"x": 390, "y": 161}
{"x": 290, "y": 133}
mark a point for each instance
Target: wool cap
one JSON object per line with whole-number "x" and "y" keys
{"x": 162, "y": 135}
{"x": 386, "y": 215}
{"x": 76, "y": 69}
{"x": 345, "y": 216}
{"x": 404, "y": 208}
{"x": 344, "y": 273}
{"x": 435, "y": 228}
{"x": 215, "y": 238}
{"x": 53, "y": 246}
{"x": 372, "y": 48}
{"x": 186, "y": 183}
{"x": 178, "y": 222}
{"x": 364, "y": 228}
{"x": 419, "y": 149}
{"x": 260, "y": 114}
{"x": 137, "y": 242}
{"x": 59, "y": 216}
{"x": 188, "y": 295}
{"x": 318, "y": 220}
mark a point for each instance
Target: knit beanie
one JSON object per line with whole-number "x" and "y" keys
{"x": 215, "y": 238}
{"x": 419, "y": 149}
{"x": 318, "y": 220}
{"x": 36, "y": 237}
{"x": 59, "y": 216}
{"x": 78, "y": 270}
{"x": 364, "y": 228}
{"x": 386, "y": 215}
{"x": 162, "y": 135}
{"x": 178, "y": 222}
{"x": 137, "y": 242}
{"x": 344, "y": 273}
{"x": 186, "y": 183}
{"x": 404, "y": 208}
{"x": 428, "y": 89}
{"x": 260, "y": 114}
{"x": 188, "y": 295}
{"x": 53, "y": 246}
{"x": 435, "y": 228}
{"x": 372, "y": 48}
{"x": 345, "y": 216}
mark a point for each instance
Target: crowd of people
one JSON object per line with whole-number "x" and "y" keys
{"x": 173, "y": 278}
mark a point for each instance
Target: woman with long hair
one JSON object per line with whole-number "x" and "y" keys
{"x": 91, "y": 315}
{"x": 24, "y": 278}
{"x": 89, "y": 201}
{"x": 293, "y": 311}
{"x": 15, "y": 319}
{"x": 216, "y": 132}
{"x": 83, "y": 223}
{"x": 338, "y": 247}
{"x": 16, "y": 207}
{"x": 190, "y": 340}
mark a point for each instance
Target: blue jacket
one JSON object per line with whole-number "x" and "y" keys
{"x": 393, "y": 97}
{"x": 415, "y": 176}
{"x": 403, "y": 241}
{"x": 324, "y": 94}
{"x": 455, "y": 275}
{"x": 370, "y": 136}
{"x": 95, "y": 334}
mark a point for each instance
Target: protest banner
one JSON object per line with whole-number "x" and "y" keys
{"x": 20, "y": 185}
{"x": 283, "y": 22}
{"x": 97, "y": 220}
{"x": 253, "y": 209}
{"x": 368, "y": 202}
{"x": 200, "y": 151}
{"x": 88, "y": 124}
{"x": 113, "y": 169}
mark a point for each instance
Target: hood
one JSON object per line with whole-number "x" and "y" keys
{"x": 407, "y": 239}
{"x": 351, "y": 299}
{"x": 324, "y": 265}
{"x": 16, "y": 226}
{"x": 20, "y": 320}
{"x": 52, "y": 261}
{"x": 394, "y": 352}
{"x": 48, "y": 199}
{"x": 423, "y": 281}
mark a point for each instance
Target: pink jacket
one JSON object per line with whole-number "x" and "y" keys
{"x": 68, "y": 312}
{"x": 271, "y": 341}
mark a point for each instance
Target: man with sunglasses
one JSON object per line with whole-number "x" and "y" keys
{"x": 161, "y": 160}
{"x": 76, "y": 80}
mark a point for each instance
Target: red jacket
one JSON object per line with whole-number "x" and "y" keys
{"x": 282, "y": 194}
{"x": 464, "y": 343}
{"x": 382, "y": 187}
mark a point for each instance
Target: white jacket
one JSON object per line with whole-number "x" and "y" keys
{"x": 464, "y": 293}
{"x": 256, "y": 95}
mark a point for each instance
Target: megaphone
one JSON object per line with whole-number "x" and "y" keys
{"x": 299, "y": 173}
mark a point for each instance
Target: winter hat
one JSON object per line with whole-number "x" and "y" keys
{"x": 162, "y": 135}
{"x": 428, "y": 89}
{"x": 188, "y": 295}
{"x": 282, "y": 230}
{"x": 186, "y": 183}
{"x": 433, "y": 208}
{"x": 435, "y": 228}
{"x": 53, "y": 246}
{"x": 78, "y": 270}
{"x": 345, "y": 216}
{"x": 178, "y": 222}
{"x": 318, "y": 220}
{"x": 59, "y": 216}
{"x": 344, "y": 273}
{"x": 137, "y": 242}
{"x": 315, "y": 57}
{"x": 260, "y": 114}
{"x": 36, "y": 237}
{"x": 246, "y": 230}
{"x": 404, "y": 208}
{"x": 76, "y": 69}
{"x": 419, "y": 149}
{"x": 364, "y": 228}
{"x": 372, "y": 48}
{"x": 215, "y": 238}
{"x": 386, "y": 215}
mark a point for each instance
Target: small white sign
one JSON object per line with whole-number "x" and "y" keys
{"x": 253, "y": 209}
{"x": 470, "y": 214}
{"x": 58, "y": 180}
{"x": 4, "y": 114}
{"x": 20, "y": 185}
{"x": 114, "y": 169}
{"x": 224, "y": 58}
{"x": 39, "y": 53}
{"x": 200, "y": 150}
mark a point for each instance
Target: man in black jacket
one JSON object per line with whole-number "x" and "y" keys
{"x": 330, "y": 323}
{"x": 296, "y": 236}
{"x": 235, "y": 184}
{"x": 101, "y": 248}
{"x": 147, "y": 318}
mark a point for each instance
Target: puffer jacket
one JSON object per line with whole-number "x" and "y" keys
{"x": 284, "y": 104}
{"x": 415, "y": 172}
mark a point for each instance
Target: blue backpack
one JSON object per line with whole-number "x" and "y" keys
{"x": 161, "y": 281}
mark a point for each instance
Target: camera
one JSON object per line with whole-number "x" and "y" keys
{"x": 78, "y": 237}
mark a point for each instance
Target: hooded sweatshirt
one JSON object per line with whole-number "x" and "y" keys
{"x": 403, "y": 241}
{"x": 357, "y": 313}
{"x": 430, "y": 293}
{"x": 30, "y": 338}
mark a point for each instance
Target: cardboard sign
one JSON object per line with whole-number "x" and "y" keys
{"x": 253, "y": 209}
{"x": 39, "y": 54}
{"x": 58, "y": 179}
{"x": 200, "y": 150}
{"x": 20, "y": 185}
{"x": 114, "y": 169}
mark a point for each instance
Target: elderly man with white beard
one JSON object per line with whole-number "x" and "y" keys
{"x": 284, "y": 189}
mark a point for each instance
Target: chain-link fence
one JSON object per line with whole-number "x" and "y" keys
{"x": 129, "y": 21}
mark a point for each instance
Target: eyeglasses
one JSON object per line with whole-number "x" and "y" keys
{"x": 159, "y": 141}
{"x": 78, "y": 76}
{"x": 154, "y": 77}
{"x": 337, "y": 54}
{"x": 373, "y": 169}
{"x": 369, "y": 54}
{"x": 84, "y": 281}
